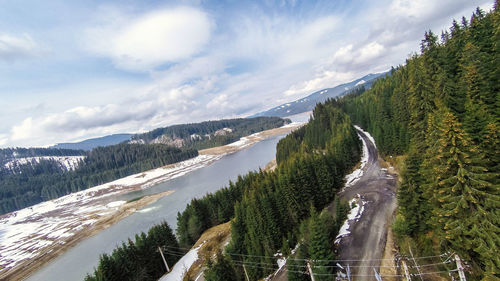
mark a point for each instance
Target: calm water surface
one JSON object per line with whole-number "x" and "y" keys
{"x": 81, "y": 259}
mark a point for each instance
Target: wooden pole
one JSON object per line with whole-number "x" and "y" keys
{"x": 310, "y": 270}
{"x": 460, "y": 268}
{"x": 407, "y": 273}
{"x": 163, "y": 257}
{"x": 377, "y": 276}
{"x": 418, "y": 268}
{"x": 348, "y": 273}
{"x": 246, "y": 274}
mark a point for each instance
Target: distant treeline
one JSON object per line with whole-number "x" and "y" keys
{"x": 7, "y": 154}
{"x": 35, "y": 183}
{"x": 202, "y": 135}
{"x": 276, "y": 210}
{"x": 442, "y": 109}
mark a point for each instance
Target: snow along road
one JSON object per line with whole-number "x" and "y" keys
{"x": 364, "y": 245}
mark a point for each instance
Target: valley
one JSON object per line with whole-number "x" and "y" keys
{"x": 99, "y": 203}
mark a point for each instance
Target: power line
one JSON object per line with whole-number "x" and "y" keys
{"x": 318, "y": 260}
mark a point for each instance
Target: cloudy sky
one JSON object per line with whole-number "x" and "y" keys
{"x": 71, "y": 70}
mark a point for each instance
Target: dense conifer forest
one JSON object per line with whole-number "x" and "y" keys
{"x": 139, "y": 259}
{"x": 442, "y": 109}
{"x": 211, "y": 133}
{"x": 35, "y": 183}
{"x": 27, "y": 184}
{"x": 273, "y": 211}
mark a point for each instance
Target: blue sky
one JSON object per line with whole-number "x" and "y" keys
{"x": 71, "y": 70}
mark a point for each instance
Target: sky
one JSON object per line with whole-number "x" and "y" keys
{"x": 71, "y": 70}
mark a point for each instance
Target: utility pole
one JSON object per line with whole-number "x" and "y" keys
{"x": 165, "y": 261}
{"x": 377, "y": 276}
{"x": 310, "y": 270}
{"x": 418, "y": 268}
{"x": 460, "y": 268}
{"x": 407, "y": 273}
{"x": 348, "y": 273}
{"x": 246, "y": 274}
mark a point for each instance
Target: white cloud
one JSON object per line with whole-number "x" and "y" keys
{"x": 218, "y": 102}
{"x": 322, "y": 80}
{"x": 3, "y": 139}
{"x": 368, "y": 52}
{"x": 13, "y": 48}
{"x": 254, "y": 60}
{"x": 152, "y": 39}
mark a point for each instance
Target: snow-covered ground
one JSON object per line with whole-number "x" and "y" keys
{"x": 26, "y": 233}
{"x": 182, "y": 266}
{"x": 357, "y": 206}
{"x": 68, "y": 163}
{"x": 367, "y": 134}
{"x": 353, "y": 177}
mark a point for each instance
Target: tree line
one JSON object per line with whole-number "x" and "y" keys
{"x": 202, "y": 135}
{"x": 35, "y": 183}
{"x": 272, "y": 211}
{"x": 139, "y": 259}
{"x": 442, "y": 109}
{"x": 32, "y": 183}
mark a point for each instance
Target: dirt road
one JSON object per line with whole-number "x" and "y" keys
{"x": 365, "y": 245}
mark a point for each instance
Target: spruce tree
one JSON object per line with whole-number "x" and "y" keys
{"x": 320, "y": 249}
{"x": 221, "y": 270}
{"x": 462, "y": 188}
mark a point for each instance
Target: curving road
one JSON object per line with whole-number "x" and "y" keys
{"x": 366, "y": 243}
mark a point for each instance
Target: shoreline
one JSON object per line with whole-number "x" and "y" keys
{"x": 80, "y": 215}
{"x": 25, "y": 268}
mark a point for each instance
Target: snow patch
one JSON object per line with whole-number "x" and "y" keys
{"x": 367, "y": 134}
{"x": 26, "y": 232}
{"x": 68, "y": 163}
{"x": 353, "y": 177}
{"x": 115, "y": 204}
{"x": 182, "y": 266}
{"x": 360, "y": 83}
{"x": 357, "y": 206}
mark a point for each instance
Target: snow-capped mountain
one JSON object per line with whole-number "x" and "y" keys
{"x": 308, "y": 103}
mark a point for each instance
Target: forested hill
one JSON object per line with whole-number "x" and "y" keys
{"x": 90, "y": 144}
{"x": 443, "y": 109}
{"x": 7, "y": 154}
{"x": 35, "y": 182}
{"x": 209, "y": 133}
{"x": 29, "y": 176}
{"x": 269, "y": 211}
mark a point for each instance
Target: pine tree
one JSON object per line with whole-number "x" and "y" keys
{"x": 411, "y": 203}
{"x": 320, "y": 248}
{"x": 221, "y": 270}
{"x": 462, "y": 188}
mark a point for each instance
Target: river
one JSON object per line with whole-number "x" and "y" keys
{"x": 81, "y": 259}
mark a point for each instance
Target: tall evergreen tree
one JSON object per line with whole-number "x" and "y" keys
{"x": 462, "y": 188}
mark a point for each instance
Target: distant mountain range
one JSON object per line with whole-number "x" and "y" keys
{"x": 295, "y": 107}
{"x": 95, "y": 142}
{"x": 308, "y": 103}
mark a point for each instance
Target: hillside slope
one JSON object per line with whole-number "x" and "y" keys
{"x": 308, "y": 103}
{"x": 94, "y": 142}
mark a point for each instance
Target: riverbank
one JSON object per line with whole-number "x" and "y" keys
{"x": 250, "y": 140}
{"x": 26, "y": 236}
{"x": 46, "y": 254}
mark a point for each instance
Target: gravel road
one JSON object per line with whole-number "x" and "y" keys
{"x": 366, "y": 243}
